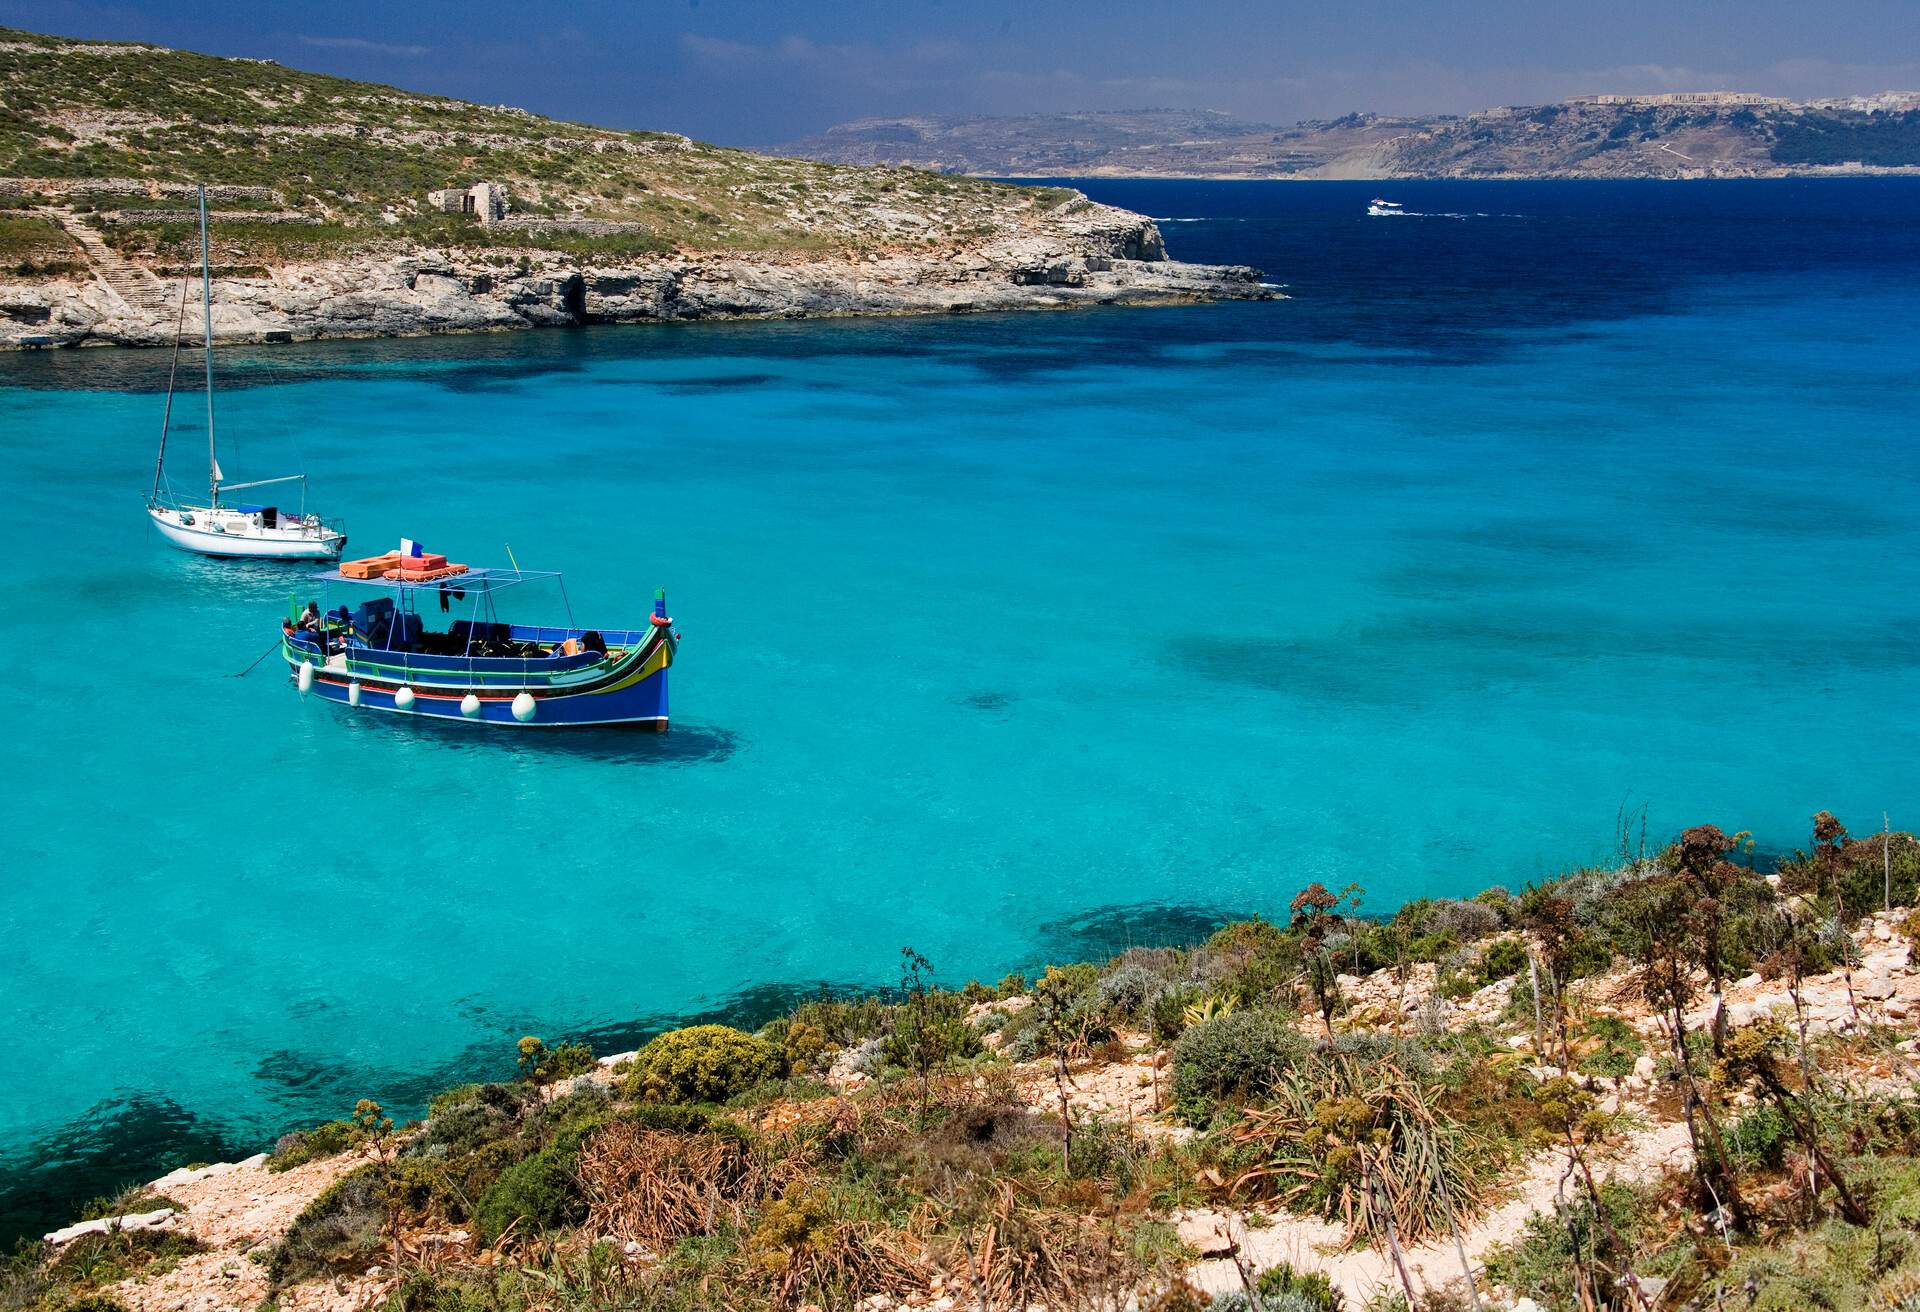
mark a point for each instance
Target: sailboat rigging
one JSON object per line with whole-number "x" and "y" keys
{"x": 226, "y": 529}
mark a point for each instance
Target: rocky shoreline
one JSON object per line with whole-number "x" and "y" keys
{"x": 217, "y": 1227}
{"x": 1098, "y": 256}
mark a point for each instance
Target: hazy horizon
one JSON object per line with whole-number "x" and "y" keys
{"x": 753, "y": 73}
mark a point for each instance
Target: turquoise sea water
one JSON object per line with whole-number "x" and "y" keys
{"x": 1005, "y": 637}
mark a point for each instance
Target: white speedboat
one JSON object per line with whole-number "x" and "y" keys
{"x": 1381, "y": 209}
{"x": 217, "y": 528}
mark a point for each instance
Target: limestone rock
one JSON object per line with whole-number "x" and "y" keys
{"x": 1094, "y": 254}
{"x": 157, "y": 1219}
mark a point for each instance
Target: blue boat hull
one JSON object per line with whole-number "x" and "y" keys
{"x": 625, "y": 686}
{"x": 643, "y": 705}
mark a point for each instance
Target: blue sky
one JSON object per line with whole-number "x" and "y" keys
{"x": 750, "y": 72}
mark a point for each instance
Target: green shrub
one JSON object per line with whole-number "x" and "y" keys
{"x": 127, "y": 1202}
{"x": 303, "y": 1146}
{"x": 1369, "y": 1047}
{"x": 339, "y": 1229}
{"x": 458, "y": 1096}
{"x": 1235, "y": 1301}
{"x": 704, "y": 1063}
{"x": 534, "y": 1195}
{"x": 1251, "y": 959}
{"x": 929, "y": 1031}
{"x": 1503, "y": 957}
{"x": 1070, "y": 981}
{"x": 544, "y": 1065}
{"x": 1540, "y": 1265}
{"x": 1617, "y": 1047}
{"x": 1759, "y": 1139}
{"x": 1228, "y": 1060}
{"x": 1121, "y": 993}
{"x": 429, "y": 1291}
{"x": 343, "y": 1227}
{"x": 1167, "y": 1011}
{"x": 484, "y": 1114}
{"x": 567, "y": 1123}
{"x": 90, "y": 1262}
{"x": 845, "y": 1022}
{"x": 804, "y": 1047}
{"x": 1309, "y": 1289}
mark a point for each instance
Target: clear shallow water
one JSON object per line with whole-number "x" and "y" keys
{"x": 1005, "y": 637}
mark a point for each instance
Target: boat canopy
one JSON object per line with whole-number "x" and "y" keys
{"x": 483, "y": 581}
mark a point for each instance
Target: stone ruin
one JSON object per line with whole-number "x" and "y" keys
{"x": 486, "y": 201}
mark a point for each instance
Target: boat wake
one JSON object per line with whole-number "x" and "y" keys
{"x": 1445, "y": 214}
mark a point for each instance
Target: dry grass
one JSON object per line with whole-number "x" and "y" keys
{"x": 656, "y": 1187}
{"x": 1028, "y": 1254}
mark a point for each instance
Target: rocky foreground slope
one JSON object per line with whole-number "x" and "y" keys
{"x": 347, "y": 209}
{"x": 1677, "y": 1084}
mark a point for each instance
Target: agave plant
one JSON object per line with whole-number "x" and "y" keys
{"x": 1211, "y": 1007}
{"x": 1368, "y": 1148}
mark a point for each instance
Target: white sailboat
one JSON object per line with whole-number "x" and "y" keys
{"x": 229, "y": 529}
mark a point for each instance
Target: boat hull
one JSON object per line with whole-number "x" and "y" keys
{"x": 268, "y": 544}
{"x": 629, "y": 691}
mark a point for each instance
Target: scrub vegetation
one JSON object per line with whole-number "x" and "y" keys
{"x": 1393, "y": 1081}
{"x": 354, "y": 161}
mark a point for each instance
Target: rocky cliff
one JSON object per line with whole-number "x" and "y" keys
{"x": 347, "y": 209}
{"x": 1097, "y": 256}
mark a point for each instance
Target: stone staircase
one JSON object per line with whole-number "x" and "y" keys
{"x": 139, "y": 290}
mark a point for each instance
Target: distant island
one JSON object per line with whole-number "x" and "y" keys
{"x": 346, "y": 209}
{"x": 1681, "y": 135}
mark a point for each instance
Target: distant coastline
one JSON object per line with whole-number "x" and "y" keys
{"x": 1785, "y": 175}
{"x": 1678, "y": 136}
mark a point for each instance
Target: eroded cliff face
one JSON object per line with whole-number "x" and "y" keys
{"x": 1094, "y": 255}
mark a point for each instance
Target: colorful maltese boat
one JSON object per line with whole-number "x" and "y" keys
{"x": 382, "y": 655}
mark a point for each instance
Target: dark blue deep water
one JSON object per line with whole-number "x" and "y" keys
{"x": 1007, "y": 637}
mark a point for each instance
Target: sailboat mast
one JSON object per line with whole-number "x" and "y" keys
{"x": 166, "y": 416}
{"x": 206, "y": 311}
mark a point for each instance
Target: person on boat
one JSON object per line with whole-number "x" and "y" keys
{"x": 310, "y": 625}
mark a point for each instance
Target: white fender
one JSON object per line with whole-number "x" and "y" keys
{"x": 469, "y": 706}
{"x": 524, "y": 707}
{"x": 353, "y": 693}
{"x": 403, "y": 698}
{"x": 305, "y": 679}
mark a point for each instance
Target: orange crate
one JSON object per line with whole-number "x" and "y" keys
{"x": 372, "y": 567}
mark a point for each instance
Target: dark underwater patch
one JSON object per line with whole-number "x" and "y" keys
{"x": 747, "y": 1009}
{"x": 112, "y": 1145}
{"x": 1538, "y": 537}
{"x": 988, "y": 700}
{"x": 698, "y": 386}
{"x": 1420, "y": 654}
{"x": 1107, "y": 931}
{"x": 319, "y": 1088}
